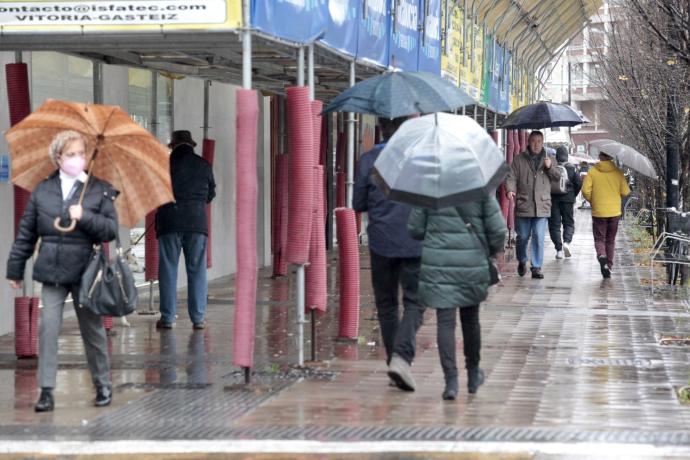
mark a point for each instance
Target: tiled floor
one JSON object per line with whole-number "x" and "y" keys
{"x": 570, "y": 357}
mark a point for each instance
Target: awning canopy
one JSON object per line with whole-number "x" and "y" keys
{"x": 534, "y": 30}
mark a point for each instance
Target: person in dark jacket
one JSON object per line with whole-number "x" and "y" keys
{"x": 562, "y": 207}
{"x": 454, "y": 277}
{"x": 394, "y": 264}
{"x": 183, "y": 226}
{"x": 62, "y": 259}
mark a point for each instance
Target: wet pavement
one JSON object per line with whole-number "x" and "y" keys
{"x": 573, "y": 364}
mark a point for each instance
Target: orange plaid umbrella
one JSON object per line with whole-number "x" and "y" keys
{"x": 118, "y": 151}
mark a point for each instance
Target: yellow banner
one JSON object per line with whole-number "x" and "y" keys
{"x": 451, "y": 45}
{"x": 119, "y": 15}
{"x": 471, "y": 70}
{"x": 518, "y": 91}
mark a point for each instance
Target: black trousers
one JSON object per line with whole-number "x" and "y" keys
{"x": 445, "y": 338}
{"x": 561, "y": 214}
{"x": 388, "y": 274}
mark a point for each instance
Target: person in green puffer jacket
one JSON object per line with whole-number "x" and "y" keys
{"x": 454, "y": 275}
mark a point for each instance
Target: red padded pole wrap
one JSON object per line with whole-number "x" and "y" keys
{"x": 300, "y": 142}
{"x": 246, "y": 192}
{"x": 151, "y": 248}
{"x": 340, "y": 190}
{"x": 348, "y": 248}
{"x": 317, "y": 286}
{"x": 208, "y": 153}
{"x": 22, "y": 327}
{"x": 280, "y": 225}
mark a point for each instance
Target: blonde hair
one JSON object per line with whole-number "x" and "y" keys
{"x": 60, "y": 141}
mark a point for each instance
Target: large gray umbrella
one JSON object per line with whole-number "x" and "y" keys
{"x": 439, "y": 160}
{"x": 399, "y": 94}
{"x": 543, "y": 114}
{"x": 625, "y": 155}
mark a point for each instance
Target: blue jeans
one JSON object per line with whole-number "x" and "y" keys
{"x": 534, "y": 227}
{"x": 194, "y": 246}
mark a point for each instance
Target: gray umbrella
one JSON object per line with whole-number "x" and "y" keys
{"x": 439, "y": 160}
{"x": 625, "y": 155}
{"x": 399, "y": 94}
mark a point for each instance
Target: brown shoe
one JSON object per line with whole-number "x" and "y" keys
{"x": 201, "y": 325}
{"x": 160, "y": 324}
{"x": 537, "y": 274}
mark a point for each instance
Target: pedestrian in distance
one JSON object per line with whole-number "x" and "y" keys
{"x": 529, "y": 182}
{"x": 395, "y": 259}
{"x": 603, "y": 187}
{"x": 563, "y": 193}
{"x": 62, "y": 259}
{"x": 454, "y": 278}
{"x": 182, "y": 226}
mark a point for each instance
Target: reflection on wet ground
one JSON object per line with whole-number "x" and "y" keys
{"x": 567, "y": 358}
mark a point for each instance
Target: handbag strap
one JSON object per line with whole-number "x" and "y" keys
{"x": 472, "y": 230}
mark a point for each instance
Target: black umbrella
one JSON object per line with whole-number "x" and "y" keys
{"x": 542, "y": 115}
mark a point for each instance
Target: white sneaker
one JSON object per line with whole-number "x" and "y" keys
{"x": 566, "y": 249}
{"x": 559, "y": 254}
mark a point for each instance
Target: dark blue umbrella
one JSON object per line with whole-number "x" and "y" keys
{"x": 542, "y": 115}
{"x": 399, "y": 94}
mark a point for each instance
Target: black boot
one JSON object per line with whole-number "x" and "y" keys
{"x": 475, "y": 377}
{"x": 451, "y": 390}
{"x": 104, "y": 396}
{"x": 45, "y": 403}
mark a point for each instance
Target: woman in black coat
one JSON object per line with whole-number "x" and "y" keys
{"x": 63, "y": 257}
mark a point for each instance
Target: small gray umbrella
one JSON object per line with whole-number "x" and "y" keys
{"x": 439, "y": 160}
{"x": 625, "y": 155}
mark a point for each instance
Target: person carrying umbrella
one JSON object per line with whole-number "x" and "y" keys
{"x": 63, "y": 257}
{"x": 603, "y": 187}
{"x": 395, "y": 259}
{"x": 529, "y": 182}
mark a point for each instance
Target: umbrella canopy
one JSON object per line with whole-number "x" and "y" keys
{"x": 542, "y": 115}
{"x": 439, "y": 160}
{"x": 399, "y": 94}
{"x": 128, "y": 156}
{"x": 625, "y": 155}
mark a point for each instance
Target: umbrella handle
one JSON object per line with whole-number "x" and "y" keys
{"x": 67, "y": 229}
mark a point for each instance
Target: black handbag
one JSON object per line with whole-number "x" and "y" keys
{"x": 107, "y": 286}
{"x": 494, "y": 273}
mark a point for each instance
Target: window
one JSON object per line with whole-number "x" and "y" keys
{"x": 59, "y": 76}
{"x": 140, "y": 97}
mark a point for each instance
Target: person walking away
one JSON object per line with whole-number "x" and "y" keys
{"x": 62, "y": 259}
{"x": 395, "y": 259}
{"x": 454, "y": 278}
{"x": 529, "y": 182}
{"x": 603, "y": 187}
{"x": 183, "y": 226}
{"x": 562, "y": 204}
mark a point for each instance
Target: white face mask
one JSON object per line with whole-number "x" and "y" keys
{"x": 73, "y": 166}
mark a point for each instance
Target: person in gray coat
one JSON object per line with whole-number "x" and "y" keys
{"x": 454, "y": 276}
{"x": 62, "y": 259}
{"x": 529, "y": 182}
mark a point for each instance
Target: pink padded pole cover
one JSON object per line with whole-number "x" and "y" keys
{"x": 348, "y": 248}
{"x": 246, "y": 192}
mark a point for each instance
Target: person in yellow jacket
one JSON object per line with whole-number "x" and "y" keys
{"x": 603, "y": 187}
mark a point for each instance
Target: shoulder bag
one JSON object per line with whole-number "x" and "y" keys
{"x": 107, "y": 286}
{"x": 494, "y": 273}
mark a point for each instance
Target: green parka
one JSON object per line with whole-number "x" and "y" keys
{"x": 455, "y": 270}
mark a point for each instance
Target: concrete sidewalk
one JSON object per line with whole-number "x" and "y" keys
{"x": 573, "y": 364}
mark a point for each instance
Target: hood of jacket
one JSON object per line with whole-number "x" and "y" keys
{"x": 562, "y": 155}
{"x": 606, "y": 166}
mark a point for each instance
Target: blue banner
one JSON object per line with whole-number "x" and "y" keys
{"x": 430, "y": 46}
{"x": 373, "y": 33}
{"x": 504, "y": 73}
{"x": 342, "y": 31}
{"x": 404, "y": 46}
{"x": 296, "y": 20}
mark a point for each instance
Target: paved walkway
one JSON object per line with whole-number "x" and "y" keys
{"x": 573, "y": 364}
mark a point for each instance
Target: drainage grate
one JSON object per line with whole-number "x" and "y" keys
{"x": 615, "y": 362}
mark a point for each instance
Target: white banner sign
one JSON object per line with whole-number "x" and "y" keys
{"x": 112, "y": 13}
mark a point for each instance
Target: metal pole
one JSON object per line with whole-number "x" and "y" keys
{"x": 97, "y": 83}
{"x": 300, "y": 66}
{"x": 313, "y": 335}
{"x": 300, "y": 268}
{"x": 300, "y": 314}
{"x": 246, "y": 46}
{"x": 207, "y": 92}
{"x": 154, "y": 104}
{"x": 310, "y": 70}
{"x": 351, "y": 145}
